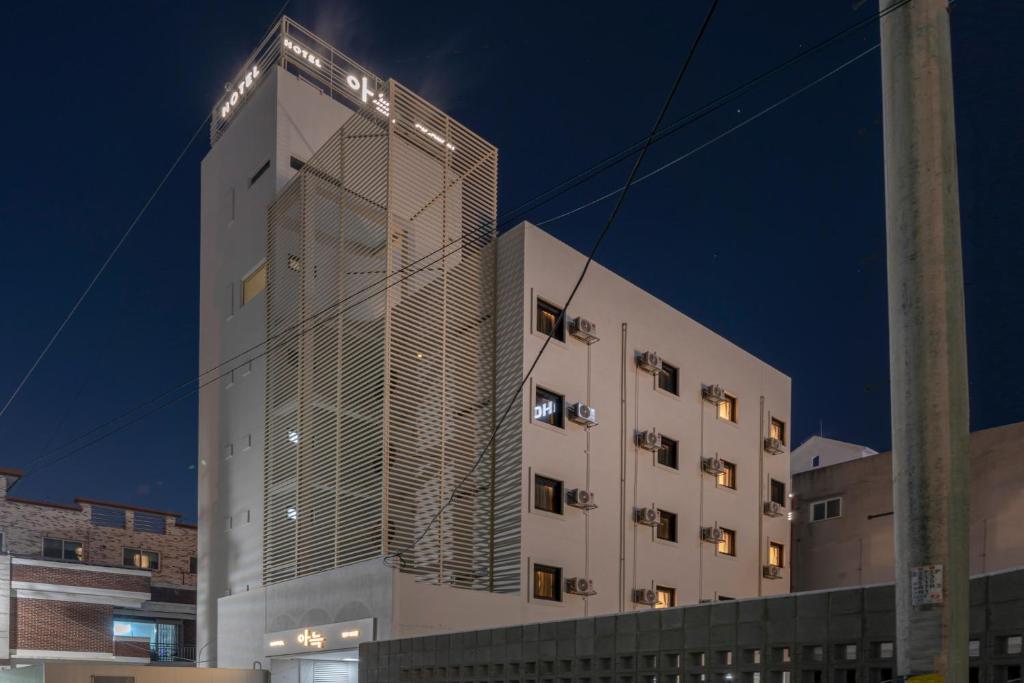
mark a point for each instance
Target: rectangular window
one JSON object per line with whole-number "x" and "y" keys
{"x": 777, "y": 493}
{"x": 728, "y": 476}
{"x": 826, "y": 509}
{"x": 254, "y": 283}
{"x": 256, "y": 176}
{"x": 667, "y": 526}
{"x": 668, "y": 378}
{"x": 297, "y": 163}
{"x": 668, "y": 453}
{"x": 727, "y": 546}
{"x": 193, "y": 565}
{"x": 776, "y": 554}
{"x": 549, "y": 408}
{"x": 550, "y": 320}
{"x": 109, "y": 517}
{"x": 778, "y": 430}
{"x": 547, "y": 582}
{"x": 666, "y": 597}
{"x": 727, "y": 409}
{"x": 149, "y": 522}
{"x": 547, "y": 494}
{"x": 58, "y": 549}
{"x": 143, "y": 559}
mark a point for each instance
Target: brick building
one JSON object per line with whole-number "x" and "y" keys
{"x": 94, "y": 581}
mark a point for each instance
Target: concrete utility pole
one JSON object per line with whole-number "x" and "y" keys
{"x": 927, "y": 343}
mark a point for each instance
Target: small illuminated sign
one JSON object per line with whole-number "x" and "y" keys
{"x": 434, "y": 136}
{"x": 311, "y": 638}
{"x": 543, "y": 410}
{"x": 276, "y": 643}
{"x": 243, "y": 87}
{"x": 350, "y": 634}
{"x": 343, "y": 635}
{"x": 302, "y": 52}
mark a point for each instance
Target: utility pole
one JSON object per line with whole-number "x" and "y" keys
{"x": 927, "y": 343}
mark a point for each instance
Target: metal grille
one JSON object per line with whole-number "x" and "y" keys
{"x": 150, "y": 523}
{"x": 111, "y": 517}
{"x": 380, "y": 406}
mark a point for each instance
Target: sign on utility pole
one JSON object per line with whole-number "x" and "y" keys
{"x": 927, "y": 343}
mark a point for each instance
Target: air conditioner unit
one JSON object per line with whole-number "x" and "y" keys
{"x": 773, "y": 445}
{"x": 583, "y": 329}
{"x": 645, "y": 516}
{"x": 583, "y": 414}
{"x": 580, "y": 586}
{"x": 649, "y": 361}
{"x": 580, "y": 498}
{"x": 712, "y": 534}
{"x": 772, "y": 572}
{"x": 645, "y": 596}
{"x": 648, "y": 439}
{"x": 712, "y": 393}
{"x": 713, "y": 466}
{"x": 773, "y": 509}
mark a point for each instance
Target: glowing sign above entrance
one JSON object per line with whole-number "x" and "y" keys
{"x": 344, "y": 635}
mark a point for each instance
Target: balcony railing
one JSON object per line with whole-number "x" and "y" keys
{"x": 172, "y": 653}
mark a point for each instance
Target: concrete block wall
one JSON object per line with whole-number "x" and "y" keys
{"x": 841, "y": 636}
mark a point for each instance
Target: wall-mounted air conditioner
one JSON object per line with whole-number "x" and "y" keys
{"x": 773, "y": 445}
{"x": 645, "y": 516}
{"x": 712, "y": 393}
{"x": 712, "y": 534}
{"x": 772, "y": 572}
{"x": 580, "y": 498}
{"x": 648, "y": 439}
{"x": 773, "y": 509}
{"x": 583, "y": 329}
{"x": 579, "y": 585}
{"x": 583, "y": 414}
{"x": 713, "y": 466}
{"x": 645, "y": 596}
{"x": 648, "y": 361}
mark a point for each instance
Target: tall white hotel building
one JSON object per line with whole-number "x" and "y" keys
{"x": 351, "y": 224}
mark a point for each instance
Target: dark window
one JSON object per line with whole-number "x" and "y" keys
{"x": 148, "y": 522}
{"x": 193, "y": 565}
{"x": 725, "y": 597}
{"x": 548, "y": 408}
{"x": 547, "y": 494}
{"x": 826, "y": 509}
{"x": 297, "y": 164}
{"x": 667, "y": 526}
{"x": 668, "y": 378}
{"x": 550, "y": 320}
{"x": 778, "y": 492}
{"x": 143, "y": 559}
{"x": 57, "y": 549}
{"x": 257, "y": 174}
{"x": 547, "y": 582}
{"x": 111, "y": 517}
{"x": 668, "y": 453}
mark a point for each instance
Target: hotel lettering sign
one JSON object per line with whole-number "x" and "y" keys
{"x": 345, "y": 635}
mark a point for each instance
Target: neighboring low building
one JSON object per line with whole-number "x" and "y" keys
{"x": 818, "y": 451}
{"x": 94, "y": 581}
{"x": 842, "y": 526}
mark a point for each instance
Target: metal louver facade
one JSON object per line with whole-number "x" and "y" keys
{"x": 381, "y": 375}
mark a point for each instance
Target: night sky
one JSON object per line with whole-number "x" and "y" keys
{"x": 773, "y": 237}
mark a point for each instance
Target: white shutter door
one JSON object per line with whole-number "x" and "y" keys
{"x": 334, "y": 672}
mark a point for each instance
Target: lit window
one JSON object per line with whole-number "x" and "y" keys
{"x": 547, "y": 494}
{"x": 58, "y": 549}
{"x": 547, "y": 582}
{"x": 973, "y": 648}
{"x": 727, "y": 409}
{"x": 668, "y": 378}
{"x": 143, "y": 559}
{"x": 727, "y": 477}
{"x": 667, "y": 526}
{"x": 550, "y": 320}
{"x": 254, "y": 283}
{"x": 668, "y": 453}
{"x": 727, "y": 546}
{"x": 666, "y": 597}
{"x": 1014, "y": 645}
{"x": 548, "y": 408}
{"x": 776, "y": 554}
{"x": 885, "y": 650}
{"x": 777, "y": 492}
{"x": 778, "y": 430}
{"x": 826, "y": 509}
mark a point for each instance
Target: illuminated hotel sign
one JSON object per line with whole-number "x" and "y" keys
{"x": 310, "y": 57}
{"x": 434, "y": 136}
{"x": 240, "y": 90}
{"x": 320, "y": 637}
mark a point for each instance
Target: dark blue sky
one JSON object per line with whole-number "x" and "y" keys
{"x": 773, "y": 237}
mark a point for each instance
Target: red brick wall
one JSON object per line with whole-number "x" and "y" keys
{"x": 56, "y": 625}
{"x": 131, "y": 648}
{"x": 79, "y": 577}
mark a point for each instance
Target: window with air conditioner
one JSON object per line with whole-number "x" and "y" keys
{"x": 668, "y": 378}
{"x": 254, "y": 283}
{"x": 776, "y": 554}
{"x": 547, "y": 582}
{"x": 666, "y": 597}
{"x": 547, "y": 494}
{"x": 60, "y": 549}
{"x": 826, "y": 509}
{"x": 668, "y": 453}
{"x": 727, "y": 477}
{"x": 550, "y": 320}
{"x": 666, "y": 529}
{"x": 727, "y": 546}
{"x": 777, "y": 492}
{"x": 548, "y": 407}
{"x": 142, "y": 559}
{"x": 778, "y": 430}
{"x": 727, "y": 409}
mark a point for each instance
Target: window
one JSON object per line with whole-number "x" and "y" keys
{"x": 58, "y": 549}
{"x": 776, "y": 554}
{"x": 727, "y": 546}
{"x": 548, "y": 408}
{"x": 777, "y": 492}
{"x": 547, "y": 494}
{"x": 727, "y": 408}
{"x": 110, "y": 517}
{"x": 668, "y": 378}
{"x": 668, "y": 453}
{"x": 666, "y": 597}
{"x": 778, "y": 430}
{"x": 826, "y": 509}
{"x": 550, "y": 320}
{"x": 667, "y": 526}
{"x": 149, "y": 522}
{"x": 193, "y": 565}
{"x": 884, "y": 650}
{"x": 297, "y": 163}
{"x": 254, "y": 283}
{"x": 547, "y": 582}
{"x": 260, "y": 172}
{"x": 973, "y": 648}
{"x": 727, "y": 478}
{"x": 1014, "y": 645}
{"x": 143, "y": 559}
{"x": 816, "y": 461}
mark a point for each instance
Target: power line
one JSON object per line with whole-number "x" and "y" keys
{"x": 579, "y": 281}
